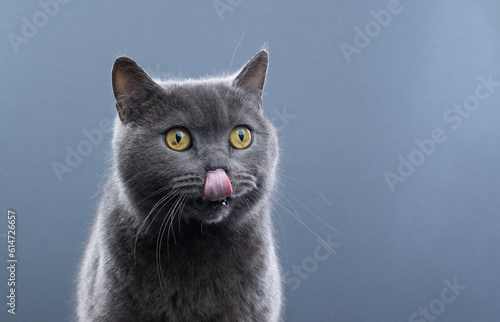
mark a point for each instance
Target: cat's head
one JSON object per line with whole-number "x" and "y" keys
{"x": 200, "y": 147}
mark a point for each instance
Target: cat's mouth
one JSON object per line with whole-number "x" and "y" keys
{"x": 217, "y": 192}
{"x": 224, "y": 202}
{"x": 211, "y": 211}
{"x": 213, "y": 204}
{"x": 217, "y": 200}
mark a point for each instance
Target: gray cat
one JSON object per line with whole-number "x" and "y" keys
{"x": 183, "y": 232}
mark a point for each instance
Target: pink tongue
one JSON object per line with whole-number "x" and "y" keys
{"x": 217, "y": 185}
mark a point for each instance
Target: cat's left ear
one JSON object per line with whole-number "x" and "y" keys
{"x": 253, "y": 76}
{"x": 131, "y": 85}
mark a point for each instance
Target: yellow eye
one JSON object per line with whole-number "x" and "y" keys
{"x": 178, "y": 139}
{"x": 240, "y": 137}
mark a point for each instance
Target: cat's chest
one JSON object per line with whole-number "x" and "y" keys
{"x": 196, "y": 264}
{"x": 194, "y": 279}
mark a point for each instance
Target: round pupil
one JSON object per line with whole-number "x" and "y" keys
{"x": 178, "y": 136}
{"x": 241, "y": 134}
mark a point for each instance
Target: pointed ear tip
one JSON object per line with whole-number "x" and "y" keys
{"x": 122, "y": 61}
{"x": 263, "y": 54}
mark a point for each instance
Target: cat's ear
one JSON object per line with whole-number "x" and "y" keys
{"x": 253, "y": 76}
{"x": 131, "y": 84}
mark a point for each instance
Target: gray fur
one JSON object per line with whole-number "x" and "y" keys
{"x": 158, "y": 250}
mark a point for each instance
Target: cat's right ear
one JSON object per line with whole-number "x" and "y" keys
{"x": 252, "y": 76}
{"x": 131, "y": 84}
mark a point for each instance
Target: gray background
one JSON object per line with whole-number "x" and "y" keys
{"x": 342, "y": 125}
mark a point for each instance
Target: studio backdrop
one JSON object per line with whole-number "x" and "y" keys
{"x": 388, "y": 116}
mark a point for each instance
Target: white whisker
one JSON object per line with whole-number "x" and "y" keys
{"x": 161, "y": 233}
{"x": 310, "y": 187}
{"x": 239, "y": 42}
{"x": 312, "y": 213}
{"x": 165, "y": 199}
{"x": 307, "y": 227}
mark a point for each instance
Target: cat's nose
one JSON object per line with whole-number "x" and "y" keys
{"x": 214, "y": 165}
